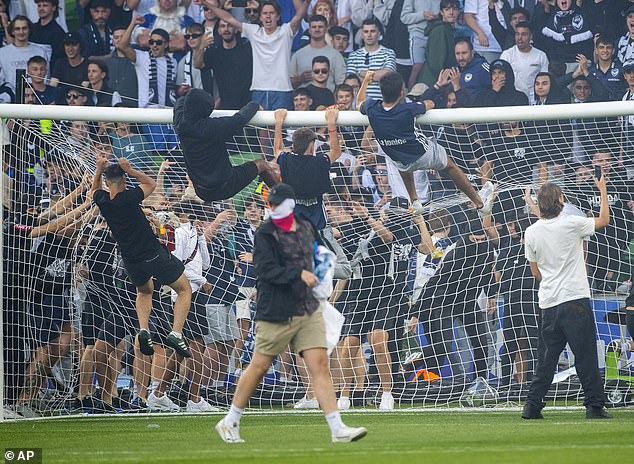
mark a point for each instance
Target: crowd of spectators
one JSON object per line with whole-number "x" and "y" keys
{"x": 304, "y": 56}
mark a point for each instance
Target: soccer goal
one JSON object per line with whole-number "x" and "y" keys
{"x": 441, "y": 309}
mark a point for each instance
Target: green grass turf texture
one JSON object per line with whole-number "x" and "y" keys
{"x": 418, "y": 437}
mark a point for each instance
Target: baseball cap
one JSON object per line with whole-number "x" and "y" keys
{"x": 162, "y": 32}
{"x": 279, "y": 193}
{"x": 628, "y": 66}
{"x": 71, "y": 38}
{"x": 417, "y": 90}
{"x": 100, "y": 3}
{"x": 628, "y": 10}
{"x": 338, "y": 30}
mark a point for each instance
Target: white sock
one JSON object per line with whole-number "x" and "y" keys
{"x": 334, "y": 421}
{"x": 234, "y": 415}
{"x": 387, "y": 395}
{"x": 176, "y": 334}
{"x": 154, "y": 386}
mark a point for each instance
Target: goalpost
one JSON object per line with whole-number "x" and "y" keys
{"x": 66, "y": 297}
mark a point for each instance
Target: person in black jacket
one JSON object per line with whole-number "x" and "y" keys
{"x": 502, "y": 91}
{"x": 287, "y": 312}
{"x": 203, "y": 142}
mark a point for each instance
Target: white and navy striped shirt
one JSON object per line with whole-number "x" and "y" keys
{"x": 362, "y": 60}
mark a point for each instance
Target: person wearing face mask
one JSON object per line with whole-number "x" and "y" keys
{"x": 287, "y": 312}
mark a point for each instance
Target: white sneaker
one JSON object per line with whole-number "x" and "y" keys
{"x": 387, "y": 402}
{"x": 347, "y": 434}
{"x": 486, "y": 195}
{"x": 229, "y": 434}
{"x": 343, "y": 403}
{"x": 201, "y": 406}
{"x": 154, "y": 403}
{"x": 307, "y": 404}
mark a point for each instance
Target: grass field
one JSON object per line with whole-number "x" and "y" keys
{"x": 417, "y": 437}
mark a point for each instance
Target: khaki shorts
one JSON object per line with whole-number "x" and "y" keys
{"x": 301, "y": 332}
{"x": 243, "y": 306}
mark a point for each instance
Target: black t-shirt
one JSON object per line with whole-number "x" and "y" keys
{"x": 52, "y": 265}
{"x": 67, "y": 74}
{"x": 232, "y": 71}
{"x": 513, "y": 157}
{"x": 351, "y": 232}
{"x": 222, "y": 273}
{"x": 310, "y": 178}
{"x": 465, "y": 150}
{"x": 320, "y": 96}
{"x": 128, "y": 224}
{"x": 101, "y": 260}
{"x": 52, "y": 34}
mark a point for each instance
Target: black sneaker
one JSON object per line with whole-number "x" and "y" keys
{"x": 531, "y": 412}
{"x": 145, "y": 342}
{"x": 178, "y": 344}
{"x": 597, "y": 412}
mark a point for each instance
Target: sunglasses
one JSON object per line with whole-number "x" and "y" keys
{"x": 192, "y": 36}
{"x": 250, "y": 10}
{"x": 73, "y": 96}
{"x": 156, "y": 42}
{"x": 381, "y": 172}
{"x": 320, "y": 71}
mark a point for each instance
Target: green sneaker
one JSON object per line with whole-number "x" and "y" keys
{"x": 145, "y": 342}
{"x": 179, "y": 345}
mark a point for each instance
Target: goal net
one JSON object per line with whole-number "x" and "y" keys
{"x": 440, "y": 309}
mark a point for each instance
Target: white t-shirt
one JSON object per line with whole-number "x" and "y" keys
{"x": 13, "y": 58}
{"x": 480, "y": 9}
{"x": 271, "y": 57}
{"x": 142, "y": 67}
{"x": 556, "y": 245}
{"x": 525, "y": 67}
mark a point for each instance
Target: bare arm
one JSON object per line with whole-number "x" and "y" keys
{"x": 278, "y": 138}
{"x": 301, "y": 7}
{"x": 426, "y": 245}
{"x": 604, "y": 211}
{"x": 160, "y": 177}
{"x": 66, "y": 203}
{"x": 147, "y": 184}
{"x": 97, "y": 180}
{"x": 124, "y": 45}
{"x": 333, "y": 135}
{"x": 223, "y": 14}
{"x": 369, "y": 77}
{"x": 535, "y": 271}
{"x": 59, "y": 223}
{"x": 469, "y": 18}
{"x": 199, "y": 53}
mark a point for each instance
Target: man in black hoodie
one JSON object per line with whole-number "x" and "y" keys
{"x": 502, "y": 91}
{"x": 203, "y": 144}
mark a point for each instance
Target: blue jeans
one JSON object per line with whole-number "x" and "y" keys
{"x": 273, "y": 99}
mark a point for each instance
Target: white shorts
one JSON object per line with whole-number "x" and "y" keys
{"x": 243, "y": 306}
{"x": 223, "y": 326}
{"x": 434, "y": 158}
{"x": 417, "y": 46}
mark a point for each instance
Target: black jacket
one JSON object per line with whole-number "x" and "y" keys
{"x": 203, "y": 138}
{"x": 280, "y": 288}
{"x": 507, "y": 96}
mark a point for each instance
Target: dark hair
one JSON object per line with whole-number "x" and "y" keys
{"x": 317, "y": 18}
{"x": 604, "y": 41}
{"x": 373, "y": 22}
{"x": 101, "y": 139}
{"x": 439, "y": 220}
{"x": 302, "y": 138}
{"x": 549, "y": 200}
{"x": 17, "y": 18}
{"x": 321, "y": 59}
{"x": 391, "y": 85}
{"x": 518, "y": 10}
{"x": 37, "y": 59}
{"x": 55, "y": 3}
{"x": 253, "y": 199}
{"x": 448, "y": 3}
{"x": 119, "y": 27}
{"x": 353, "y": 76}
{"x": 464, "y": 40}
{"x": 101, "y": 64}
{"x": 302, "y": 91}
{"x": 196, "y": 27}
{"x": 524, "y": 24}
{"x": 277, "y": 8}
{"x": 162, "y": 32}
{"x": 338, "y": 30}
{"x": 113, "y": 172}
{"x": 343, "y": 88}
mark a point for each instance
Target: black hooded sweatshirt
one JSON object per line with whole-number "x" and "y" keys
{"x": 203, "y": 138}
{"x": 508, "y": 95}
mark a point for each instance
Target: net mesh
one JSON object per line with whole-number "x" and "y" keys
{"x": 454, "y": 325}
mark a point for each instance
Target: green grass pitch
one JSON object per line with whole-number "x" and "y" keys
{"x": 438, "y": 437}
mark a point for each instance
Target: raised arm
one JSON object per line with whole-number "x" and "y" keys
{"x": 301, "y": 7}
{"x": 222, "y": 14}
{"x": 97, "y": 180}
{"x": 369, "y": 77}
{"x": 124, "y": 46}
{"x": 147, "y": 184}
{"x": 278, "y": 138}
{"x": 426, "y": 245}
{"x": 604, "y": 211}
{"x": 333, "y": 134}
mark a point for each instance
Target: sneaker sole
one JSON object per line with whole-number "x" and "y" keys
{"x": 357, "y": 437}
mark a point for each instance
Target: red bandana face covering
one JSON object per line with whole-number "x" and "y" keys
{"x": 283, "y": 215}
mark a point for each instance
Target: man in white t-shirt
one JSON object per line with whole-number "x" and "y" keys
{"x": 526, "y": 60}
{"x": 271, "y": 43}
{"x": 476, "y": 16}
{"x": 554, "y": 249}
{"x": 155, "y": 70}
{"x": 16, "y": 55}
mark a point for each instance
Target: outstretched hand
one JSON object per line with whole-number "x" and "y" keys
{"x": 125, "y": 164}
